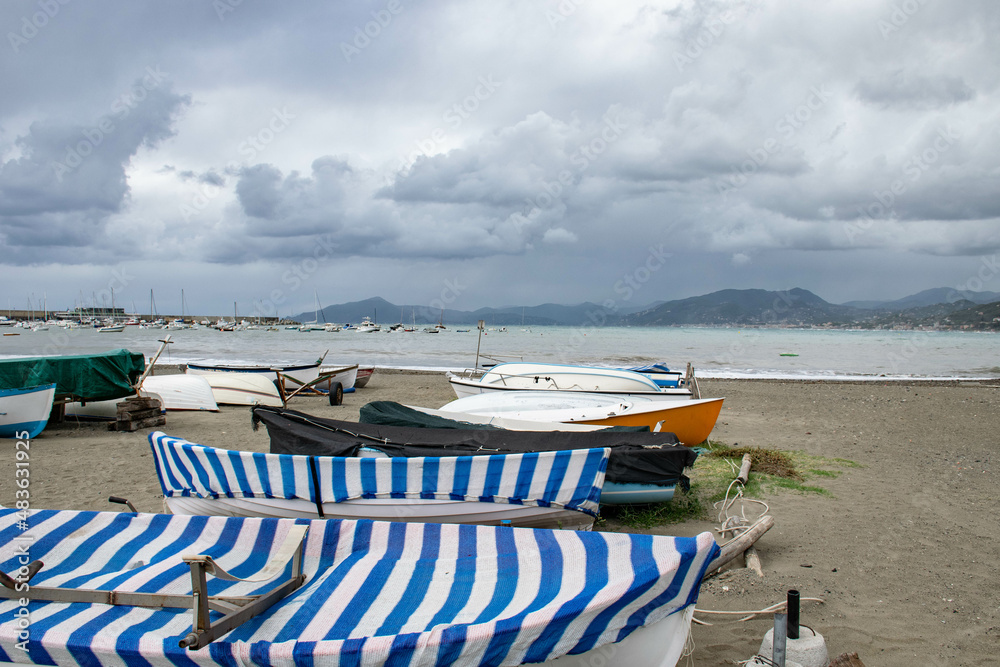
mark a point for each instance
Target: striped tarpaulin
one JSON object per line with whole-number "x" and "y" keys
{"x": 376, "y": 592}
{"x": 570, "y": 479}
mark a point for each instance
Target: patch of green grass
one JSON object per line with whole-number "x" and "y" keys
{"x": 773, "y": 471}
{"x": 684, "y": 506}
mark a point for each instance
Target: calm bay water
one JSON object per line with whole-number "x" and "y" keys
{"x": 723, "y": 352}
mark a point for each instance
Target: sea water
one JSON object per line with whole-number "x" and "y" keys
{"x": 714, "y": 352}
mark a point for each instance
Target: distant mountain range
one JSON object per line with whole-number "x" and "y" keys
{"x": 928, "y": 297}
{"x": 935, "y": 308}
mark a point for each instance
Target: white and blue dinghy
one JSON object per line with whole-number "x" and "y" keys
{"x": 25, "y": 412}
{"x": 347, "y": 593}
{"x": 556, "y": 489}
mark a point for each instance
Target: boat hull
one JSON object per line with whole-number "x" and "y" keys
{"x": 243, "y": 389}
{"x": 302, "y": 373}
{"x": 614, "y": 493}
{"x": 631, "y": 605}
{"x": 555, "y": 377}
{"x": 386, "y": 509}
{"x": 636, "y": 494}
{"x": 24, "y": 413}
{"x": 364, "y": 375}
{"x": 691, "y": 421}
{"x": 180, "y": 392}
{"x": 346, "y": 375}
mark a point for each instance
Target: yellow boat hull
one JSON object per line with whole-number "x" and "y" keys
{"x": 691, "y": 423}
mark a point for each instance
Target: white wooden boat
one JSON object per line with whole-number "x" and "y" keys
{"x": 301, "y": 373}
{"x": 118, "y": 328}
{"x": 180, "y": 392}
{"x": 364, "y": 375}
{"x": 539, "y": 489}
{"x": 24, "y": 413}
{"x": 691, "y": 421}
{"x": 123, "y": 588}
{"x": 345, "y": 375}
{"x": 243, "y": 389}
{"x": 520, "y": 376}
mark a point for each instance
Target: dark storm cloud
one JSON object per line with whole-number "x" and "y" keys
{"x": 70, "y": 177}
{"x": 907, "y": 91}
{"x": 568, "y": 135}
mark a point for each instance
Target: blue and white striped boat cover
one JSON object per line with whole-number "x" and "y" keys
{"x": 570, "y": 479}
{"x": 376, "y": 593}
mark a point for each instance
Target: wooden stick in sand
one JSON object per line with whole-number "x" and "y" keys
{"x": 740, "y": 544}
{"x": 744, "y": 475}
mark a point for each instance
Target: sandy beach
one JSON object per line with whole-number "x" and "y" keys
{"x": 903, "y": 549}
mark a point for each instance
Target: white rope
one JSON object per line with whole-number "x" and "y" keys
{"x": 737, "y": 524}
{"x": 751, "y": 614}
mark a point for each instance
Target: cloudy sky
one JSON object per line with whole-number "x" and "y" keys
{"x": 493, "y": 153}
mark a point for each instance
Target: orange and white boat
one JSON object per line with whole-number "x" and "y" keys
{"x": 691, "y": 421}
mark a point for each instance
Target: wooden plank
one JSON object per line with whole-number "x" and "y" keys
{"x": 133, "y": 415}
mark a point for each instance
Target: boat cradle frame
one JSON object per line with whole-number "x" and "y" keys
{"x": 236, "y": 610}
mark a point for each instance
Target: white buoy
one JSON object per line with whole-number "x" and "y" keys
{"x": 809, "y": 650}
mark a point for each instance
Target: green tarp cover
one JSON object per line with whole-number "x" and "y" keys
{"x": 84, "y": 377}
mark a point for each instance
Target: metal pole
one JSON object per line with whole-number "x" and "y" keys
{"x": 793, "y": 614}
{"x": 779, "y": 640}
{"x": 480, "y": 326}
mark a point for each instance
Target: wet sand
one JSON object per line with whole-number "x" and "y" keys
{"x": 904, "y": 550}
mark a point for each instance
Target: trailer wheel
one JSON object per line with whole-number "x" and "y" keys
{"x": 336, "y": 393}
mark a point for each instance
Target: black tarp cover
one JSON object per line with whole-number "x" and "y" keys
{"x": 644, "y": 457}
